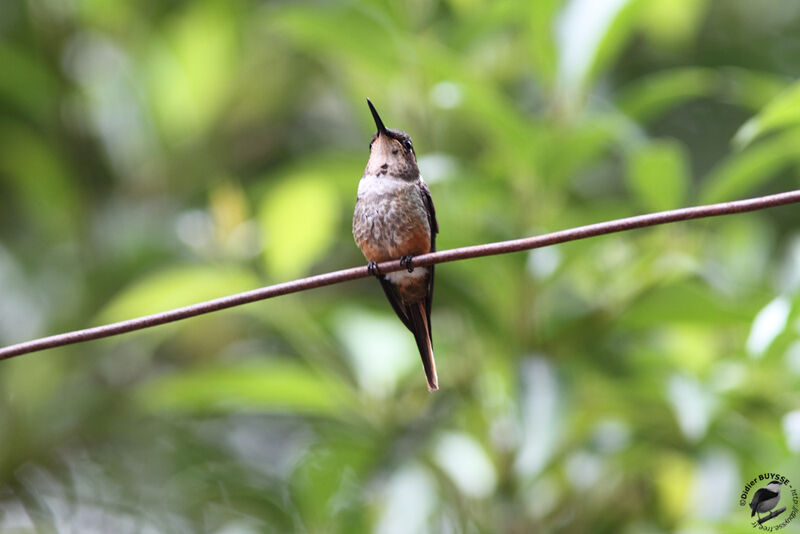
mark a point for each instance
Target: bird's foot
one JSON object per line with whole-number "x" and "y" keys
{"x": 372, "y": 268}
{"x": 405, "y": 261}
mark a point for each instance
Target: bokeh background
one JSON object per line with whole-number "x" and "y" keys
{"x": 155, "y": 154}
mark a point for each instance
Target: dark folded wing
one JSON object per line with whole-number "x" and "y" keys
{"x": 428, "y": 201}
{"x": 434, "y": 224}
{"x": 397, "y": 304}
{"x": 389, "y": 289}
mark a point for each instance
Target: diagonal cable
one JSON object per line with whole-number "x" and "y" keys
{"x": 335, "y": 277}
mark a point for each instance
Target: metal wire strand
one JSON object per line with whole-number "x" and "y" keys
{"x": 476, "y": 251}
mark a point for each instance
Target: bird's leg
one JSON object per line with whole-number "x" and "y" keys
{"x": 372, "y": 268}
{"x": 405, "y": 261}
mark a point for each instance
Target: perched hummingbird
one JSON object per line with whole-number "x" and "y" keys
{"x": 395, "y": 219}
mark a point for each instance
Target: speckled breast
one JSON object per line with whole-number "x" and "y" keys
{"x": 390, "y": 220}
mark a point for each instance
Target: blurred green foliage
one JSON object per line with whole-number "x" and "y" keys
{"x": 155, "y": 154}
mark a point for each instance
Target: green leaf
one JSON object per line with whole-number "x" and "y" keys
{"x": 568, "y": 150}
{"x": 36, "y": 171}
{"x": 335, "y": 31}
{"x": 672, "y": 479}
{"x": 298, "y": 222}
{"x": 752, "y": 89}
{"x": 177, "y": 286}
{"x": 672, "y": 24}
{"x": 32, "y": 86}
{"x": 658, "y": 174}
{"x": 618, "y": 32}
{"x": 189, "y": 68}
{"x": 745, "y": 171}
{"x": 273, "y": 386}
{"x": 783, "y": 111}
{"x": 542, "y": 46}
{"x": 652, "y": 95}
{"x": 336, "y": 470}
{"x": 685, "y": 302}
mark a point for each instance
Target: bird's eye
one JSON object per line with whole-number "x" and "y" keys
{"x": 407, "y": 145}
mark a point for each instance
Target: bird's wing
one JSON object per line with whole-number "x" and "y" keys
{"x": 396, "y": 302}
{"x": 756, "y": 500}
{"x": 390, "y": 290}
{"x": 428, "y": 201}
{"x": 760, "y": 495}
{"x": 434, "y": 225}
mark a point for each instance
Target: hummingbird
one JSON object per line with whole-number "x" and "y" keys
{"x": 395, "y": 219}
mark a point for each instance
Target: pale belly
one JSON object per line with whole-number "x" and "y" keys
{"x": 390, "y": 219}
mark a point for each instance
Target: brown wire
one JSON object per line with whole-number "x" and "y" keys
{"x": 476, "y": 251}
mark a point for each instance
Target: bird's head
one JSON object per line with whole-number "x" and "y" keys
{"x": 774, "y": 486}
{"x": 391, "y": 152}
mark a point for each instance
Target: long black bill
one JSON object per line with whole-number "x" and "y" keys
{"x": 378, "y": 121}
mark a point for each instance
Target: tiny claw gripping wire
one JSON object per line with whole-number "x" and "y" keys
{"x": 405, "y": 261}
{"x": 372, "y": 268}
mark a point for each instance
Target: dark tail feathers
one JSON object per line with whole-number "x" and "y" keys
{"x": 422, "y": 335}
